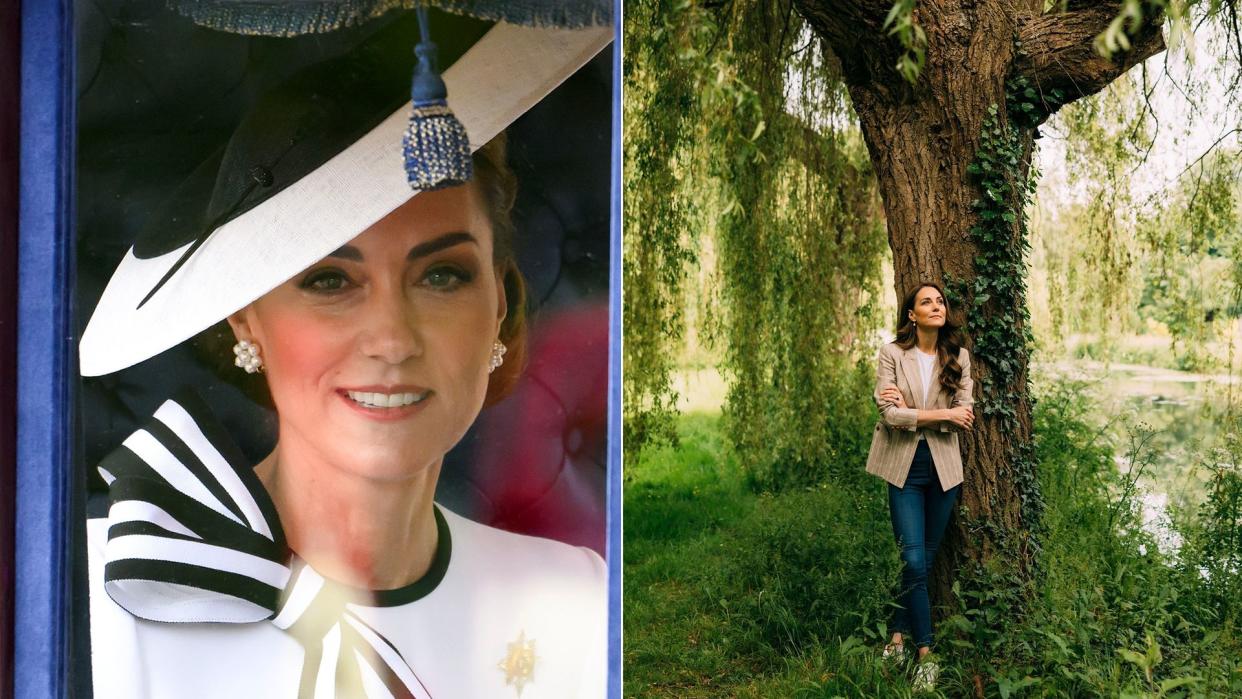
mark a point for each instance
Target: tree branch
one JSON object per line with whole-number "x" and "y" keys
{"x": 855, "y": 32}
{"x": 1058, "y": 50}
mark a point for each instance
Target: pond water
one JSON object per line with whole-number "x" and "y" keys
{"x": 1162, "y": 424}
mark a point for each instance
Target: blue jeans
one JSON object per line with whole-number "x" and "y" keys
{"x": 920, "y": 512}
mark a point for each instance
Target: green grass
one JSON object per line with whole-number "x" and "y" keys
{"x": 677, "y": 502}
{"x": 707, "y": 613}
{"x": 729, "y": 592}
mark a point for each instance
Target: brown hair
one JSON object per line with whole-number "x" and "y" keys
{"x": 498, "y": 186}
{"x": 948, "y": 341}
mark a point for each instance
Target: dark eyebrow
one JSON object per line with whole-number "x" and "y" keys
{"x": 447, "y": 240}
{"x": 347, "y": 252}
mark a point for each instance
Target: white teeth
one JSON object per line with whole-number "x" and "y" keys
{"x": 386, "y": 400}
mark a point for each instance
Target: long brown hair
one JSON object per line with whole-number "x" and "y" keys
{"x": 948, "y": 341}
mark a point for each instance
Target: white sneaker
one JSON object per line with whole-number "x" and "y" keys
{"x": 894, "y": 653}
{"x": 925, "y": 674}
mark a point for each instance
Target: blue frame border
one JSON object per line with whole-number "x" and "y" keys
{"x": 45, "y": 354}
{"x": 614, "y": 545}
{"x": 46, "y": 357}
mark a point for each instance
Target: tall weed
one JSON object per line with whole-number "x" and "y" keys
{"x": 1111, "y": 615}
{"x": 803, "y": 568}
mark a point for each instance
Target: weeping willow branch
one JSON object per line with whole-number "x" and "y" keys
{"x": 1058, "y": 50}
{"x": 662, "y": 75}
{"x": 744, "y": 149}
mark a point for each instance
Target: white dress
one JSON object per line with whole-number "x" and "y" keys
{"x": 500, "y": 615}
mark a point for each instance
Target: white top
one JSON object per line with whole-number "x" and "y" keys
{"x": 505, "y": 600}
{"x": 927, "y": 363}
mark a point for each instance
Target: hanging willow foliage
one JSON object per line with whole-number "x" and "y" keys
{"x": 742, "y": 134}
{"x": 1095, "y": 250}
{"x": 1193, "y": 279}
{"x": 1164, "y": 263}
{"x": 663, "y": 70}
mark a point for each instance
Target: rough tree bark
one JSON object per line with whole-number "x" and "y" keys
{"x": 921, "y": 139}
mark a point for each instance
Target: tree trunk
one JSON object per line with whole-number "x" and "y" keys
{"x": 921, "y": 144}
{"x": 921, "y": 139}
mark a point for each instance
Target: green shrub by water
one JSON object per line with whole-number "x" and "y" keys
{"x": 1111, "y": 615}
{"x": 733, "y": 593}
{"x": 1212, "y": 553}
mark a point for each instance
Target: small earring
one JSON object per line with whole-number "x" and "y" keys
{"x": 498, "y": 356}
{"x": 248, "y": 356}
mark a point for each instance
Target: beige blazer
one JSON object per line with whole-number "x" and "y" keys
{"x": 896, "y": 436}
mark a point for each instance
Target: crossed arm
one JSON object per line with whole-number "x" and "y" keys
{"x": 895, "y": 412}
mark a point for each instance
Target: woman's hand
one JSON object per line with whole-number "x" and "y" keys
{"x": 961, "y": 416}
{"x": 892, "y": 394}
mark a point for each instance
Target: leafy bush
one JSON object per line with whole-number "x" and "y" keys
{"x": 1111, "y": 615}
{"x": 1212, "y": 552}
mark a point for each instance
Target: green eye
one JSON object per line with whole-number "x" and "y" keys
{"x": 445, "y": 278}
{"x": 327, "y": 281}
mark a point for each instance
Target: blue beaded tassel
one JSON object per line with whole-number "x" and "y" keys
{"x": 435, "y": 146}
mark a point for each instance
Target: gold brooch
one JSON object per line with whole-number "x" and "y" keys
{"x": 519, "y": 663}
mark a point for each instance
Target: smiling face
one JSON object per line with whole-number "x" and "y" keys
{"x": 377, "y": 356}
{"x": 928, "y": 309}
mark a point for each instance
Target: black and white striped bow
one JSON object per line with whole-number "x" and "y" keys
{"x": 194, "y": 537}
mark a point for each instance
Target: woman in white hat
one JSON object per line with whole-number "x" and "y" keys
{"x": 380, "y": 321}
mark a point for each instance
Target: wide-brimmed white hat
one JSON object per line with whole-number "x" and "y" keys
{"x": 144, "y": 310}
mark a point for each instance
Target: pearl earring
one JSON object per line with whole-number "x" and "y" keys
{"x": 248, "y": 356}
{"x": 498, "y": 356}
